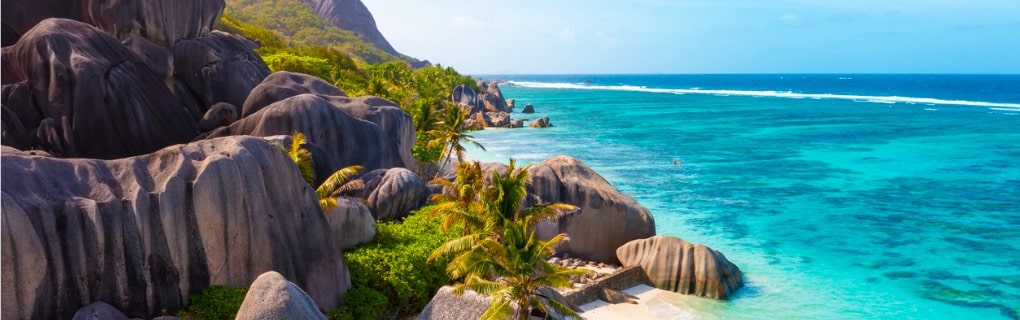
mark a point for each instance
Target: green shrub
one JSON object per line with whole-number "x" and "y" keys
{"x": 360, "y": 303}
{"x": 216, "y": 302}
{"x": 396, "y": 263}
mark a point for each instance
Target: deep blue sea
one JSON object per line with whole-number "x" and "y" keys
{"x": 838, "y": 196}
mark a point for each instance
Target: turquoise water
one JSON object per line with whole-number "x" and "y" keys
{"x": 839, "y": 197}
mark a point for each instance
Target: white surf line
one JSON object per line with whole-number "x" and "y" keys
{"x": 766, "y": 93}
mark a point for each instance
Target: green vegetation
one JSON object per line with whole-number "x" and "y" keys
{"x": 216, "y": 302}
{"x": 334, "y": 185}
{"x": 498, "y": 253}
{"x": 395, "y": 266}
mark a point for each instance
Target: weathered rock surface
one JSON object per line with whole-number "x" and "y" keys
{"x": 492, "y": 98}
{"x": 78, "y": 92}
{"x": 162, "y": 21}
{"x": 464, "y": 96}
{"x": 142, "y": 233}
{"x": 220, "y": 114}
{"x": 99, "y": 311}
{"x": 343, "y": 139}
{"x": 388, "y": 116}
{"x": 352, "y": 223}
{"x": 447, "y": 306}
{"x": 271, "y": 296}
{"x": 606, "y": 218}
{"x": 542, "y": 122}
{"x": 352, "y": 15}
{"x": 517, "y": 123}
{"x": 528, "y": 108}
{"x": 393, "y": 193}
{"x": 493, "y": 119}
{"x": 674, "y": 264}
{"x": 616, "y": 297}
{"x": 282, "y": 85}
{"x": 219, "y": 67}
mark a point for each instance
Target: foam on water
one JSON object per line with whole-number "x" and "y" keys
{"x": 768, "y": 93}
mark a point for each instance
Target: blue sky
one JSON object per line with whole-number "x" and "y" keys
{"x": 707, "y": 36}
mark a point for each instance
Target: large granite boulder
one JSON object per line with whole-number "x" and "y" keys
{"x": 392, "y": 194}
{"x": 343, "y": 139}
{"x": 271, "y": 296}
{"x": 282, "y": 85}
{"x": 220, "y": 114}
{"x": 605, "y": 220}
{"x": 542, "y": 122}
{"x": 448, "y": 306}
{"x": 99, "y": 311}
{"x": 219, "y": 67}
{"x": 162, "y": 21}
{"x": 352, "y": 223}
{"x": 142, "y": 233}
{"x": 463, "y": 96}
{"x": 493, "y": 119}
{"x": 492, "y": 98}
{"x": 676, "y": 265}
{"x": 388, "y": 116}
{"x": 78, "y": 92}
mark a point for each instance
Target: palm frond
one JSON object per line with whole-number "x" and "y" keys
{"x": 336, "y": 180}
{"x": 455, "y": 245}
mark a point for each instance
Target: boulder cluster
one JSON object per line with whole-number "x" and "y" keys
{"x": 489, "y": 109}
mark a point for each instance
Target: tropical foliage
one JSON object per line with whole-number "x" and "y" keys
{"x": 395, "y": 266}
{"x": 498, "y": 253}
{"x": 333, "y": 186}
{"x": 215, "y": 302}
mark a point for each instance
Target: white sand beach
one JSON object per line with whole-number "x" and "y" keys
{"x": 652, "y": 304}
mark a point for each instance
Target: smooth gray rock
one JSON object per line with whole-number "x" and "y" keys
{"x": 491, "y": 98}
{"x": 219, "y": 67}
{"x": 394, "y": 193}
{"x": 677, "y": 265}
{"x": 463, "y": 96}
{"x": 388, "y": 116}
{"x": 78, "y": 92}
{"x": 342, "y": 139}
{"x": 616, "y": 297}
{"x": 99, "y": 311}
{"x": 605, "y": 220}
{"x": 220, "y": 114}
{"x": 282, "y": 85}
{"x": 542, "y": 122}
{"x": 352, "y": 223}
{"x": 142, "y": 233}
{"x": 447, "y": 306}
{"x": 271, "y": 296}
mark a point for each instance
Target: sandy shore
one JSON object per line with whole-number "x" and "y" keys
{"x": 652, "y": 304}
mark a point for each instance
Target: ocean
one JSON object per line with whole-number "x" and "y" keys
{"x": 838, "y": 196}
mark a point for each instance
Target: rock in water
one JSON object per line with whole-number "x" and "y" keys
{"x": 492, "y": 98}
{"x": 676, "y": 265}
{"x": 142, "y": 233}
{"x": 394, "y": 193}
{"x": 542, "y": 122}
{"x": 606, "y": 218}
{"x": 219, "y": 67}
{"x": 282, "y": 85}
{"x": 271, "y": 296}
{"x": 528, "y": 109}
{"x": 352, "y": 223}
{"x": 78, "y": 92}
{"x": 345, "y": 140}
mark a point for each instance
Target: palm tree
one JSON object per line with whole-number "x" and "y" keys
{"x": 460, "y": 203}
{"x": 451, "y": 134}
{"x": 511, "y": 271}
{"x": 334, "y": 185}
{"x": 501, "y": 256}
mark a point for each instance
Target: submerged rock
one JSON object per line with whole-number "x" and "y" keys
{"x": 542, "y": 122}
{"x": 676, "y": 265}
{"x": 605, "y": 219}
{"x": 143, "y": 233}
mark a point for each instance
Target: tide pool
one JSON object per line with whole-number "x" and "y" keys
{"x": 900, "y": 205}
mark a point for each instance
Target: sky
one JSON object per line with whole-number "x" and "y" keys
{"x": 706, "y": 36}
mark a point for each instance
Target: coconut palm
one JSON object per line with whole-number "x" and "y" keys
{"x": 501, "y": 256}
{"x": 460, "y": 203}
{"x": 451, "y": 134}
